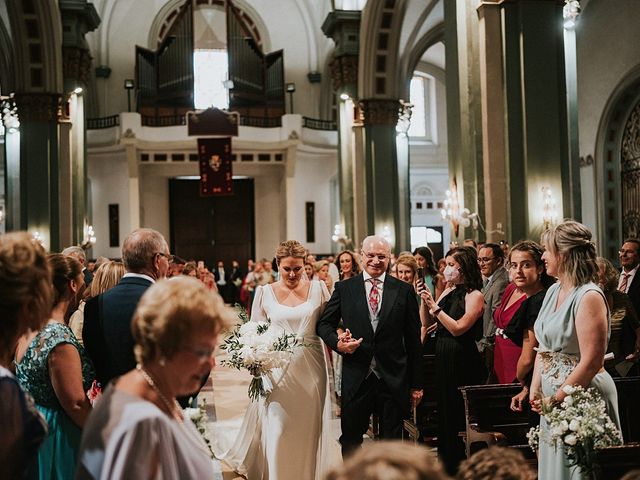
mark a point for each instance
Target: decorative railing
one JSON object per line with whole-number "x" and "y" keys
{"x": 261, "y": 122}
{"x": 103, "y": 122}
{"x": 163, "y": 121}
{"x": 317, "y": 124}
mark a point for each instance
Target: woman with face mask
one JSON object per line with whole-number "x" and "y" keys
{"x": 458, "y": 361}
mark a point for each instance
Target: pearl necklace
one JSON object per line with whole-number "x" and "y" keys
{"x": 149, "y": 379}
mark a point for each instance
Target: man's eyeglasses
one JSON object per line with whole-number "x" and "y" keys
{"x": 373, "y": 256}
{"x": 623, "y": 252}
{"x": 485, "y": 259}
{"x": 168, "y": 257}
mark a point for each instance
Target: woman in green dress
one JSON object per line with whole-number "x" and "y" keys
{"x": 53, "y": 367}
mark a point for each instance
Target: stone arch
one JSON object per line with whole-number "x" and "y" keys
{"x": 7, "y": 73}
{"x": 616, "y": 142}
{"x": 36, "y": 30}
{"x": 433, "y": 36}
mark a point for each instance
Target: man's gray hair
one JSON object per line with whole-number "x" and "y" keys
{"x": 75, "y": 252}
{"x": 139, "y": 248}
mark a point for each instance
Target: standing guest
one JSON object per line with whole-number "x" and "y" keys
{"x": 321, "y": 273}
{"x": 222, "y": 281}
{"x": 79, "y": 254}
{"x": 309, "y": 271}
{"x": 528, "y": 279}
{"x": 190, "y": 269}
{"x": 347, "y": 264}
{"x": 495, "y": 280}
{"x": 54, "y": 368}
{"x": 176, "y": 266}
{"x": 624, "y": 340}
{"x": 334, "y": 272}
{"x": 424, "y": 257}
{"x": 572, "y": 331}
{"x": 137, "y": 429}
{"x": 629, "y": 282}
{"x": 272, "y": 275}
{"x": 457, "y": 359}
{"x": 406, "y": 269}
{"x": 380, "y": 346}
{"x": 107, "y": 326}
{"x": 25, "y": 304}
{"x": 470, "y": 242}
{"x": 106, "y": 277}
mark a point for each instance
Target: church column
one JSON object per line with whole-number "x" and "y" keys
{"x": 130, "y": 144}
{"x": 380, "y": 117}
{"x": 78, "y": 18}
{"x": 343, "y": 26}
{"x": 494, "y": 164}
{"x": 536, "y": 118}
{"x": 464, "y": 115}
{"x": 39, "y": 185}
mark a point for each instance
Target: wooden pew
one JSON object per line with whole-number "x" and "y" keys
{"x": 629, "y": 407}
{"x": 614, "y": 462}
{"x": 423, "y": 424}
{"x": 489, "y": 419}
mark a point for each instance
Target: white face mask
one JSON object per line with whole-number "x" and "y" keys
{"x": 451, "y": 274}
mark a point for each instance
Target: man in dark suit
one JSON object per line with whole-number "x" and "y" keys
{"x": 79, "y": 254}
{"x": 629, "y": 282}
{"x": 495, "y": 279}
{"x": 381, "y": 370}
{"x": 107, "y": 318}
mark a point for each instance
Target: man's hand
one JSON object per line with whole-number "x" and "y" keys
{"x": 346, "y": 343}
{"x": 415, "y": 396}
{"x": 518, "y": 400}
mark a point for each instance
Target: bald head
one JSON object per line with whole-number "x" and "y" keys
{"x": 376, "y": 252}
{"x": 141, "y": 249}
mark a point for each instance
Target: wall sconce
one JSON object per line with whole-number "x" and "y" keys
{"x": 570, "y": 13}
{"x": 339, "y": 236}
{"x": 129, "y": 84}
{"x": 459, "y": 217}
{"x": 549, "y": 211}
{"x": 89, "y": 237}
{"x": 290, "y": 87}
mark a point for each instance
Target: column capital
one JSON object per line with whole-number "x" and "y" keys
{"x": 76, "y": 64}
{"x": 38, "y": 107}
{"x": 344, "y": 72}
{"x": 380, "y": 111}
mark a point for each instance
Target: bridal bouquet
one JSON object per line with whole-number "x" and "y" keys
{"x": 580, "y": 424}
{"x": 258, "y": 347}
{"x": 200, "y": 419}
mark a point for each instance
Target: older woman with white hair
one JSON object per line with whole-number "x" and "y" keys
{"x": 137, "y": 429}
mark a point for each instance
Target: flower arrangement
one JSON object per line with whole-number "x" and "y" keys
{"x": 258, "y": 347}
{"x": 200, "y": 419}
{"x": 580, "y": 424}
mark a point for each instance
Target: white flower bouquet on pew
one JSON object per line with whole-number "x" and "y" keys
{"x": 260, "y": 348}
{"x": 579, "y": 424}
{"x": 200, "y": 419}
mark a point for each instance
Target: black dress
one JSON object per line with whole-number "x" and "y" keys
{"x": 458, "y": 363}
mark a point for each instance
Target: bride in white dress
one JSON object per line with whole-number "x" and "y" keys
{"x": 287, "y": 435}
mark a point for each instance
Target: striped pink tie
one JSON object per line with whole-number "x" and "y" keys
{"x": 625, "y": 281}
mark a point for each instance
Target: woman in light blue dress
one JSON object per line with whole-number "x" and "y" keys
{"x": 54, "y": 368}
{"x": 572, "y": 330}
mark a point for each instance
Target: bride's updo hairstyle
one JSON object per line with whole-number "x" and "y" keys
{"x": 571, "y": 242}
{"x": 290, "y": 248}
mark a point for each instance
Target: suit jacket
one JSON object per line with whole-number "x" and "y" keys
{"x": 107, "y": 328}
{"x": 88, "y": 276}
{"x": 395, "y": 343}
{"x": 492, "y": 297}
{"x": 634, "y": 292}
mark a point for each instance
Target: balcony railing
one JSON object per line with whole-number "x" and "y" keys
{"x": 317, "y": 124}
{"x": 163, "y": 121}
{"x": 103, "y": 122}
{"x": 261, "y": 122}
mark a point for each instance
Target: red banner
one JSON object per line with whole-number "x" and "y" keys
{"x": 216, "y": 177}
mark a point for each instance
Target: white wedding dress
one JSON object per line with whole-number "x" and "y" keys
{"x": 287, "y": 435}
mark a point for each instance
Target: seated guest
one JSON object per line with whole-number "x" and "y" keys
{"x": 496, "y": 463}
{"x": 54, "y": 368}
{"x": 25, "y": 304}
{"x": 389, "y": 460}
{"x": 528, "y": 278}
{"x": 105, "y": 277}
{"x": 137, "y": 429}
{"x": 624, "y": 341}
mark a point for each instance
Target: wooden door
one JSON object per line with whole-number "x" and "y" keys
{"x": 212, "y": 228}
